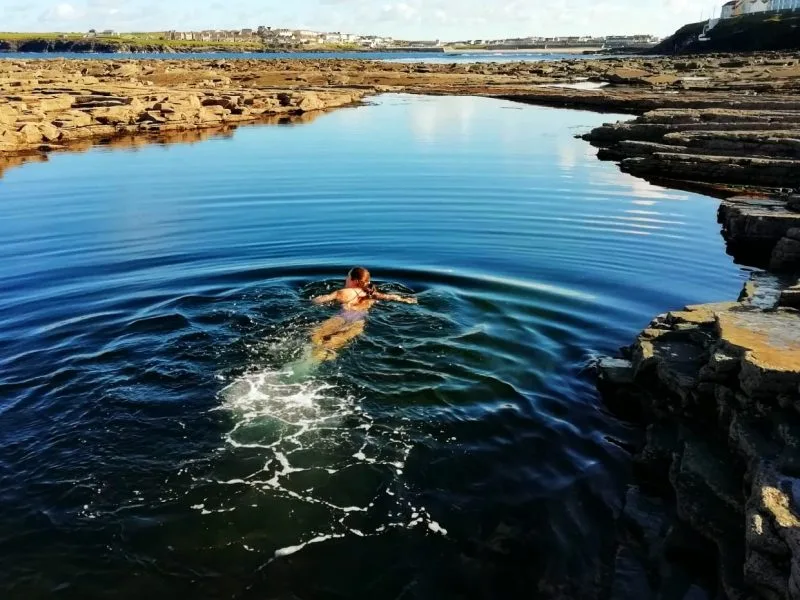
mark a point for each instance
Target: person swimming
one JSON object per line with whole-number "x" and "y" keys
{"x": 356, "y": 298}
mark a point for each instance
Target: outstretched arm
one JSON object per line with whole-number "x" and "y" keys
{"x": 394, "y": 298}
{"x": 326, "y": 299}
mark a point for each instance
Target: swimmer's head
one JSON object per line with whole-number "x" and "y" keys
{"x": 359, "y": 277}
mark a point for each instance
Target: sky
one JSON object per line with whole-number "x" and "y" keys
{"x": 448, "y": 20}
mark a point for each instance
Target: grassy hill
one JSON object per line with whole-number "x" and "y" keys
{"x": 74, "y": 42}
{"x": 750, "y": 33}
{"x": 147, "y": 42}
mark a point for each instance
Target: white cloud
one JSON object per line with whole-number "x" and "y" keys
{"x": 418, "y": 19}
{"x": 62, "y": 12}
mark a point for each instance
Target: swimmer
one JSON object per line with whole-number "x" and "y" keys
{"x": 356, "y": 298}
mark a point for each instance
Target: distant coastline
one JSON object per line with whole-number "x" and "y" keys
{"x": 522, "y": 50}
{"x": 102, "y": 46}
{"x": 44, "y": 46}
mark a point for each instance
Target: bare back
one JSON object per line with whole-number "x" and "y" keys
{"x": 354, "y": 299}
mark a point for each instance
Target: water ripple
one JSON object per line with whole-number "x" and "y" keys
{"x": 164, "y": 431}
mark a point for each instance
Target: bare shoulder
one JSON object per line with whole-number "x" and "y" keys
{"x": 346, "y": 295}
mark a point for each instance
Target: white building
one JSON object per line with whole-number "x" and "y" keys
{"x": 736, "y": 8}
{"x": 755, "y": 6}
{"x": 784, "y": 5}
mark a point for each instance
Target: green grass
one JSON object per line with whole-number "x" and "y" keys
{"x": 39, "y": 36}
{"x": 132, "y": 39}
{"x": 159, "y": 39}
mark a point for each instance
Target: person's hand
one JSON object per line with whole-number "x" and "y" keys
{"x": 411, "y": 301}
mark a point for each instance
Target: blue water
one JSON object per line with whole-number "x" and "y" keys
{"x": 153, "y": 301}
{"x": 405, "y": 57}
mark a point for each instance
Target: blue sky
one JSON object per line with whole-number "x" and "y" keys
{"x": 410, "y": 19}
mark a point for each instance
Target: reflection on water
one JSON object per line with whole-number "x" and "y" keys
{"x": 138, "y": 140}
{"x": 154, "y": 299}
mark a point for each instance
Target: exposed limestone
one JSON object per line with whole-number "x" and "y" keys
{"x": 754, "y": 228}
{"x": 74, "y": 106}
{"x": 716, "y": 386}
{"x": 753, "y": 149}
{"x": 719, "y": 386}
{"x": 688, "y": 96}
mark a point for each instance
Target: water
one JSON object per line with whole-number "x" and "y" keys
{"x": 154, "y": 299}
{"x": 403, "y": 57}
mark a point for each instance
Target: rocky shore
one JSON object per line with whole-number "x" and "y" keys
{"x": 716, "y": 498}
{"x": 717, "y": 388}
{"x": 48, "y": 106}
{"x": 65, "y": 99}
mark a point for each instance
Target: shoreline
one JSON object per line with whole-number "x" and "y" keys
{"x": 100, "y": 46}
{"x": 501, "y": 51}
{"x": 110, "y": 46}
{"x": 716, "y": 387}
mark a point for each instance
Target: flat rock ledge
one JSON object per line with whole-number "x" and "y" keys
{"x": 47, "y": 104}
{"x": 52, "y": 113}
{"x": 750, "y": 146}
{"x": 748, "y": 155}
{"x": 718, "y": 473}
{"x": 763, "y": 231}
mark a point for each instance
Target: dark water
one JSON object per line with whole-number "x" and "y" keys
{"x": 153, "y": 300}
{"x": 426, "y": 57}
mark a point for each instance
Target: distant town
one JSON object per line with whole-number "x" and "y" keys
{"x": 302, "y": 38}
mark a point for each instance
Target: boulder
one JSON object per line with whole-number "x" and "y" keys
{"x": 50, "y": 132}
{"x": 116, "y": 115}
{"x": 309, "y": 101}
{"x": 8, "y": 115}
{"x": 9, "y": 140}
{"x": 29, "y": 134}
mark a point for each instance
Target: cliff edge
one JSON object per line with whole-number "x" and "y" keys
{"x": 747, "y": 33}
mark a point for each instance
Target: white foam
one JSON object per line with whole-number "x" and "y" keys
{"x": 436, "y": 528}
{"x": 289, "y": 418}
{"x": 289, "y": 550}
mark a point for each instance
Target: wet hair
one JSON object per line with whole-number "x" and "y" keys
{"x": 362, "y": 277}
